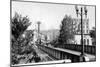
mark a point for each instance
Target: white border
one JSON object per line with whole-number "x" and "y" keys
{"x": 5, "y": 33}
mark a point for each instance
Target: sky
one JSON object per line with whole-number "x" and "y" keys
{"x": 50, "y": 15}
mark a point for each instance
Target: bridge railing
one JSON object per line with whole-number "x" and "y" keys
{"x": 87, "y": 48}
{"x": 59, "y": 54}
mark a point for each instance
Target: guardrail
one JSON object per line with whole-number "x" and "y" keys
{"x": 87, "y": 48}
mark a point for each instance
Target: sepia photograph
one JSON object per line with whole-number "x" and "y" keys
{"x": 51, "y": 33}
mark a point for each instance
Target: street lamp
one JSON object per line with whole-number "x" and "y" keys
{"x": 39, "y": 31}
{"x": 81, "y": 13}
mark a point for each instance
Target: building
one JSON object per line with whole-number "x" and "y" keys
{"x": 43, "y": 37}
{"x": 87, "y": 40}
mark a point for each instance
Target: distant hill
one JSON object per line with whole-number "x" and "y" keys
{"x": 51, "y": 34}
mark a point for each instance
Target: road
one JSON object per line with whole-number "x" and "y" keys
{"x": 44, "y": 56}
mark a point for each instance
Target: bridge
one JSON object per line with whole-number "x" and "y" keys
{"x": 74, "y": 56}
{"x": 64, "y": 53}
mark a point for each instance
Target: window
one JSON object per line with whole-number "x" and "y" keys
{"x": 87, "y": 41}
{"x": 84, "y": 42}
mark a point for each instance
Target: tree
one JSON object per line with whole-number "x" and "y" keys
{"x": 66, "y": 30}
{"x": 93, "y": 35}
{"x": 18, "y": 25}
